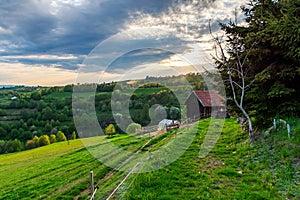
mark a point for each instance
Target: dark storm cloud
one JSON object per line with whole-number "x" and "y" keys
{"x": 46, "y": 27}
{"x": 73, "y": 29}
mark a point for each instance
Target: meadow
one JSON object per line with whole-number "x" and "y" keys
{"x": 234, "y": 169}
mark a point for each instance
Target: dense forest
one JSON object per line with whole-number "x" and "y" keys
{"x": 264, "y": 54}
{"x": 31, "y": 115}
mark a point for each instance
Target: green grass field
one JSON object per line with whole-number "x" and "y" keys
{"x": 234, "y": 169}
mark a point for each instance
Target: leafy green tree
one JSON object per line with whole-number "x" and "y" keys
{"x": 133, "y": 128}
{"x": 52, "y": 138}
{"x": 30, "y": 144}
{"x": 174, "y": 112}
{"x": 48, "y": 127}
{"x": 30, "y": 122}
{"x": 3, "y": 132}
{"x": 44, "y": 140}
{"x": 13, "y": 146}
{"x": 110, "y": 130}
{"x": 2, "y": 146}
{"x": 68, "y": 88}
{"x": 54, "y": 131}
{"x": 73, "y": 136}
{"x": 2, "y": 112}
{"x": 36, "y": 140}
{"x": 14, "y": 134}
{"x": 35, "y": 95}
{"x": 47, "y": 113}
{"x": 268, "y": 45}
{"x": 60, "y": 136}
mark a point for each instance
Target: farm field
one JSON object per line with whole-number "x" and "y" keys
{"x": 56, "y": 171}
{"x": 234, "y": 169}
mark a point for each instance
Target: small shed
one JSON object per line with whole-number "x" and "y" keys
{"x": 167, "y": 124}
{"x": 201, "y": 103}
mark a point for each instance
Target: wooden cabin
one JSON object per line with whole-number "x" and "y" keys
{"x": 205, "y": 103}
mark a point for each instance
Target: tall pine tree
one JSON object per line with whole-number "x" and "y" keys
{"x": 270, "y": 42}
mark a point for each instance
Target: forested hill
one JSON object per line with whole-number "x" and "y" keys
{"x": 30, "y": 112}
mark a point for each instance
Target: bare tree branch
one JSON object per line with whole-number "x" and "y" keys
{"x": 235, "y": 70}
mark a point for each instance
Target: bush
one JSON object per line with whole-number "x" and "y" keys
{"x": 44, "y": 140}
{"x": 52, "y": 138}
{"x": 110, "y": 130}
{"x": 73, "y": 136}
{"x": 30, "y": 144}
{"x": 133, "y": 128}
{"x": 36, "y": 141}
{"x": 60, "y": 136}
{"x": 13, "y": 146}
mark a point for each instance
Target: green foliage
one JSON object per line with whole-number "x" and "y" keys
{"x": 30, "y": 144}
{"x": 2, "y": 112}
{"x": 52, "y": 138}
{"x": 73, "y": 136}
{"x": 174, "y": 113}
{"x": 60, "y": 136}
{"x": 35, "y": 95}
{"x": 68, "y": 88}
{"x": 133, "y": 128}
{"x": 44, "y": 140}
{"x": 110, "y": 130}
{"x": 48, "y": 127}
{"x": 269, "y": 46}
{"x": 2, "y": 146}
{"x": 13, "y": 146}
{"x": 36, "y": 140}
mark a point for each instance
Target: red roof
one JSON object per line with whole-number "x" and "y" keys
{"x": 209, "y": 98}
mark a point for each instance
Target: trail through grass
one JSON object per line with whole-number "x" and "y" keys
{"x": 267, "y": 168}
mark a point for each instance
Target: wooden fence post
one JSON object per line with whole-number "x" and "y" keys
{"x": 92, "y": 183}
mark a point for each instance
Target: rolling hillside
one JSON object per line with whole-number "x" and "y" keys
{"x": 234, "y": 169}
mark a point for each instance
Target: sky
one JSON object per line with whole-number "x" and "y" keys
{"x": 58, "y": 42}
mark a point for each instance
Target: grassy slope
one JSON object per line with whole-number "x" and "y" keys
{"x": 57, "y": 170}
{"x": 233, "y": 170}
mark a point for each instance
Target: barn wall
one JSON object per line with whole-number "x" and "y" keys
{"x": 194, "y": 107}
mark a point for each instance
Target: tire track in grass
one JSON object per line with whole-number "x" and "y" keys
{"x": 113, "y": 171}
{"x": 156, "y": 135}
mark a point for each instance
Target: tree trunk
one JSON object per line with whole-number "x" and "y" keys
{"x": 249, "y": 121}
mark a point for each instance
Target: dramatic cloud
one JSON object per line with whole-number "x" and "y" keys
{"x": 60, "y": 34}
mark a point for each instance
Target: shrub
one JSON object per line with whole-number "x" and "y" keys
{"x": 44, "y": 140}
{"x": 73, "y": 136}
{"x": 52, "y": 138}
{"x": 13, "y": 146}
{"x": 110, "y": 130}
{"x": 30, "y": 144}
{"x": 133, "y": 128}
{"x": 60, "y": 136}
{"x": 36, "y": 141}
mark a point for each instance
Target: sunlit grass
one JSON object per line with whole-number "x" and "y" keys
{"x": 267, "y": 168}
